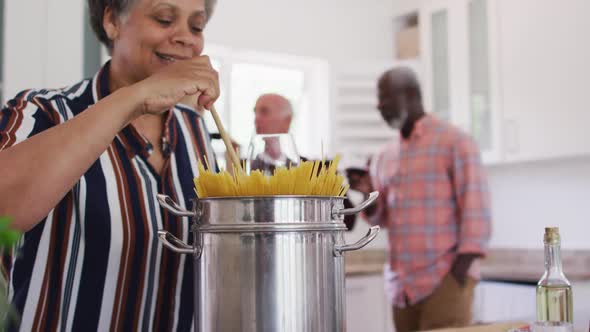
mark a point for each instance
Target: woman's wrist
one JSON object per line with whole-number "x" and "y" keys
{"x": 128, "y": 103}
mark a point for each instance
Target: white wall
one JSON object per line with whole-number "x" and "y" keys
{"x": 401, "y": 7}
{"x": 529, "y": 196}
{"x": 336, "y": 30}
{"x": 22, "y": 65}
{"x": 42, "y": 47}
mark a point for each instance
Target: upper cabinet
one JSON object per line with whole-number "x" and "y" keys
{"x": 511, "y": 73}
{"x": 482, "y": 97}
{"x": 459, "y": 81}
{"x": 436, "y": 21}
{"x": 544, "y": 70}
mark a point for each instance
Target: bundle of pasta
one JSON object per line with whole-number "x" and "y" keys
{"x": 311, "y": 178}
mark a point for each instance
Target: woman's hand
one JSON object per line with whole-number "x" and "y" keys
{"x": 193, "y": 79}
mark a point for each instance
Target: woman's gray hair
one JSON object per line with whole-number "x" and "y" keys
{"x": 96, "y": 9}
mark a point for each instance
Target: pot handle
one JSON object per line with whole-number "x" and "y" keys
{"x": 371, "y": 234}
{"x": 170, "y": 205}
{"x": 345, "y": 212}
{"x": 176, "y": 245}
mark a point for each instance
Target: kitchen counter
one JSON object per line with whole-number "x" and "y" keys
{"x": 515, "y": 265}
{"x": 500, "y": 327}
{"x": 528, "y": 265}
{"x": 364, "y": 261}
{"x": 506, "y": 294}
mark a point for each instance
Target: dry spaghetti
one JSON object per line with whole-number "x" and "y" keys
{"x": 310, "y": 178}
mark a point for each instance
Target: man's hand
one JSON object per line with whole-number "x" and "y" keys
{"x": 359, "y": 180}
{"x": 461, "y": 267}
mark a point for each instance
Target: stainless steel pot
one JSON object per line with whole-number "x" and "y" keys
{"x": 268, "y": 263}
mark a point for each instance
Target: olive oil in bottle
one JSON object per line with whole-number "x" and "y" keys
{"x": 554, "y": 291}
{"x": 554, "y": 303}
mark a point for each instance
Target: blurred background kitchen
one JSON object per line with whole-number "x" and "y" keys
{"x": 514, "y": 74}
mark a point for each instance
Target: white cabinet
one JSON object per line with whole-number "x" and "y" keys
{"x": 460, "y": 82}
{"x": 438, "y": 28}
{"x": 367, "y": 309}
{"x": 512, "y": 73}
{"x": 544, "y": 70}
{"x": 503, "y": 301}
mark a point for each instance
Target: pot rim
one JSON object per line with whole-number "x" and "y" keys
{"x": 268, "y": 197}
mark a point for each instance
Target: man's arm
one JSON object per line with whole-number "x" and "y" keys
{"x": 473, "y": 203}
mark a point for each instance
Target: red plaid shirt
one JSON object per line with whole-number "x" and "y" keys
{"x": 434, "y": 201}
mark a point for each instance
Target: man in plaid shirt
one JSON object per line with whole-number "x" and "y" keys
{"x": 434, "y": 201}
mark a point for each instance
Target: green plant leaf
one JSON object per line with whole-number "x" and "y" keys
{"x": 8, "y": 236}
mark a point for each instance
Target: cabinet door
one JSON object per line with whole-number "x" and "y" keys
{"x": 503, "y": 301}
{"x": 438, "y": 26}
{"x": 366, "y": 306}
{"x": 544, "y": 75}
{"x": 484, "y": 112}
{"x": 460, "y": 68}
{"x": 509, "y": 73}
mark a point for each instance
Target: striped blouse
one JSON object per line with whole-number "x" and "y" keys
{"x": 94, "y": 263}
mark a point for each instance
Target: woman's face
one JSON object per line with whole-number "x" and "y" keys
{"x": 155, "y": 33}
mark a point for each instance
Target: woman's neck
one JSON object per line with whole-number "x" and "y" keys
{"x": 117, "y": 76}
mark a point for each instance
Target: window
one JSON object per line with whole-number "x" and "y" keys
{"x": 248, "y": 81}
{"x": 244, "y": 76}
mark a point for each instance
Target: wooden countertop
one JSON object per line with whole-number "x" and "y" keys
{"x": 517, "y": 265}
{"x": 500, "y": 327}
{"x": 364, "y": 261}
{"x": 528, "y": 265}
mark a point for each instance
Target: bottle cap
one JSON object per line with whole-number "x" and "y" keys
{"x": 551, "y": 235}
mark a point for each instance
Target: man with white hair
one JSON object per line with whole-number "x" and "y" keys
{"x": 273, "y": 114}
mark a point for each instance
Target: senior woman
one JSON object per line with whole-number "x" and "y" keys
{"x": 85, "y": 164}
